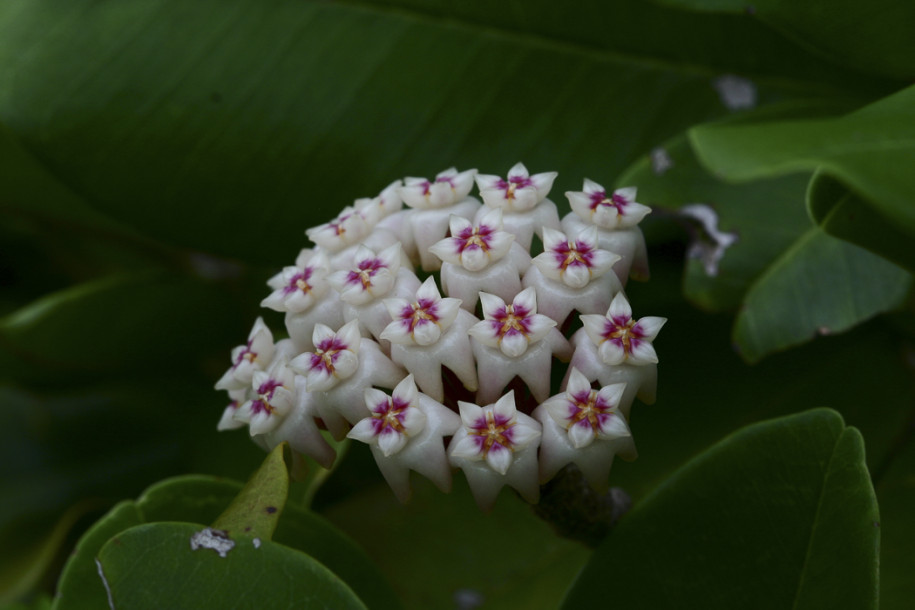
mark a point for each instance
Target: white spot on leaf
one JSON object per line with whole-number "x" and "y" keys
{"x": 257, "y": 543}
{"x": 208, "y": 538}
{"x": 660, "y": 161}
{"x": 736, "y": 92}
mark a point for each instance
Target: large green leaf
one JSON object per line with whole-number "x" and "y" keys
{"x": 896, "y": 493}
{"x": 779, "y": 515}
{"x": 871, "y": 36}
{"x": 256, "y": 509}
{"x": 201, "y": 499}
{"x": 821, "y": 285}
{"x": 230, "y": 126}
{"x": 154, "y": 566}
{"x": 870, "y": 151}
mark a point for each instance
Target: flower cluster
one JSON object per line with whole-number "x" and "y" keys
{"x": 455, "y": 371}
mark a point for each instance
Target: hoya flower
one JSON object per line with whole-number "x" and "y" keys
{"x": 298, "y": 287}
{"x": 620, "y": 338}
{"x": 514, "y": 340}
{"x": 583, "y": 426}
{"x": 474, "y": 247}
{"x": 347, "y": 229}
{"x": 236, "y": 399}
{"x": 428, "y": 333}
{"x": 405, "y": 432}
{"x": 572, "y": 274}
{"x": 519, "y": 192}
{"x": 273, "y": 398}
{"x": 338, "y": 371}
{"x": 387, "y": 202}
{"x": 617, "y": 349}
{"x": 448, "y": 187}
{"x": 495, "y": 446}
{"x": 618, "y": 210}
{"x": 300, "y": 429}
{"x": 253, "y": 356}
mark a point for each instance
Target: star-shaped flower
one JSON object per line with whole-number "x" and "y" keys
{"x": 613, "y": 211}
{"x": 496, "y": 445}
{"x": 474, "y": 247}
{"x": 347, "y": 229}
{"x": 334, "y": 358}
{"x": 236, "y": 399}
{"x": 584, "y": 427}
{"x": 255, "y": 355}
{"x": 296, "y": 288}
{"x": 405, "y": 432}
{"x": 588, "y": 414}
{"x": 511, "y": 328}
{"x": 274, "y": 396}
{"x": 574, "y": 262}
{"x": 423, "y": 321}
{"x": 448, "y": 188}
{"x": 519, "y": 192}
{"x": 620, "y": 338}
{"x": 371, "y": 275}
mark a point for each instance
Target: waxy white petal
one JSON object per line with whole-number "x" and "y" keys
{"x": 491, "y": 304}
{"x": 426, "y": 332}
{"x": 581, "y": 434}
{"x": 513, "y": 344}
{"x": 611, "y": 353}
{"x": 390, "y": 442}
{"x": 499, "y": 458}
{"x": 650, "y": 326}
{"x": 470, "y": 413}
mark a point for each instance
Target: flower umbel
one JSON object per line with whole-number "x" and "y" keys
{"x": 404, "y": 364}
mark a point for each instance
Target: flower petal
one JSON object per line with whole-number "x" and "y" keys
{"x": 468, "y": 447}
{"x": 581, "y": 434}
{"x": 471, "y": 414}
{"x": 492, "y": 305}
{"x": 649, "y": 326}
{"x": 513, "y": 344}
{"x": 499, "y": 458}
{"x": 539, "y": 326}
{"x": 363, "y": 431}
{"x": 391, "y": 441}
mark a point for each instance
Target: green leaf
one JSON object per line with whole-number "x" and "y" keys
{"x": 119, "y": 324}
{"x": 765, "y": 218}
{"x": 154, "y": 566}
{"x": 175, "y": 118}
{"x": 778, "y": 515}
{"x": 873, "y": 36}
{"x": 869, "y": 151}
{"x": 201, "y": 499}
{"x": 896, "y": 493}
{"x": 440, "y": 548}
{"x": 256, "y": 509}
{"x": 821, "y": 285}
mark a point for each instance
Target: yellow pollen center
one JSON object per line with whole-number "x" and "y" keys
{"x": 249, "y": 356}
{"x": 587, "y": 410}
{"x": 476, "y": 240}
{"x": 572, "y": 257}
{"x": 624, "y": 333}
{"x": 302, "y": 285}
{"x": 494, "y": 433}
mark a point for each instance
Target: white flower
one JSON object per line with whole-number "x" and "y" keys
{"x": 236, "y": 399}
{"x": 519, "y": 193}
{"x": 584, "y": 427}
{"x": 573, "y": 262}
{"x": 423, "y": 321}
{"x": 253, "y": 356}
{"x": 474, "y": 247}
{"x": 386, "y": 203}
{"x": 274, "y": 396}
{"x": 511, "y": 328}
{"x": 620, "y": 338}
{"x": 618, "y": 210}
{"x": 298, "y": 288}
{"x": 371, "y": 276}
{"x": 496, "y": 445}
{"x": 405, "y": 431}
{"x": 347, "y": 229}
{"x": 448, "y": 188}
{"x": 334, "y": 358}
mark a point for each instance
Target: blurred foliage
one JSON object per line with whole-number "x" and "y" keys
{"x": 162, "y": 158}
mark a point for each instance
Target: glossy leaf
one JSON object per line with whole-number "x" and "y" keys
{"x": 440, "y": 550}
{"x": 873, "y": 36}
{"x": 256, "y": 509}
{"x": 821, "y": 285}
{"x": 201, "y": 499}
{"x": 175, "y": 119}
{"x": 118, "y": 324}
{"x": 780, "y": 514}
{"x": 154, "y": 566}
{"x": 869, "y": 151}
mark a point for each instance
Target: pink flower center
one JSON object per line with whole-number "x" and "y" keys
{"x": 513, "y": 183}
{"x": 326, "y": 354}
{"x": 365, "y": 271}
{"x": 623, "y": 332}
{"x": 492, "y": 432}
{"x": 423, "y": 311}
{"x": 589, "y": 409}
{"x": 511, "y": 319}
{"x": 577, "y": 253}
{"x": 476, "y": 237}
{"x": 388, "y": 416}
{"x": 599, "y": 198}
{"x": 265, "y": 393}
{"x": 299, "y": 281}
{"x": 245, "y": 354}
